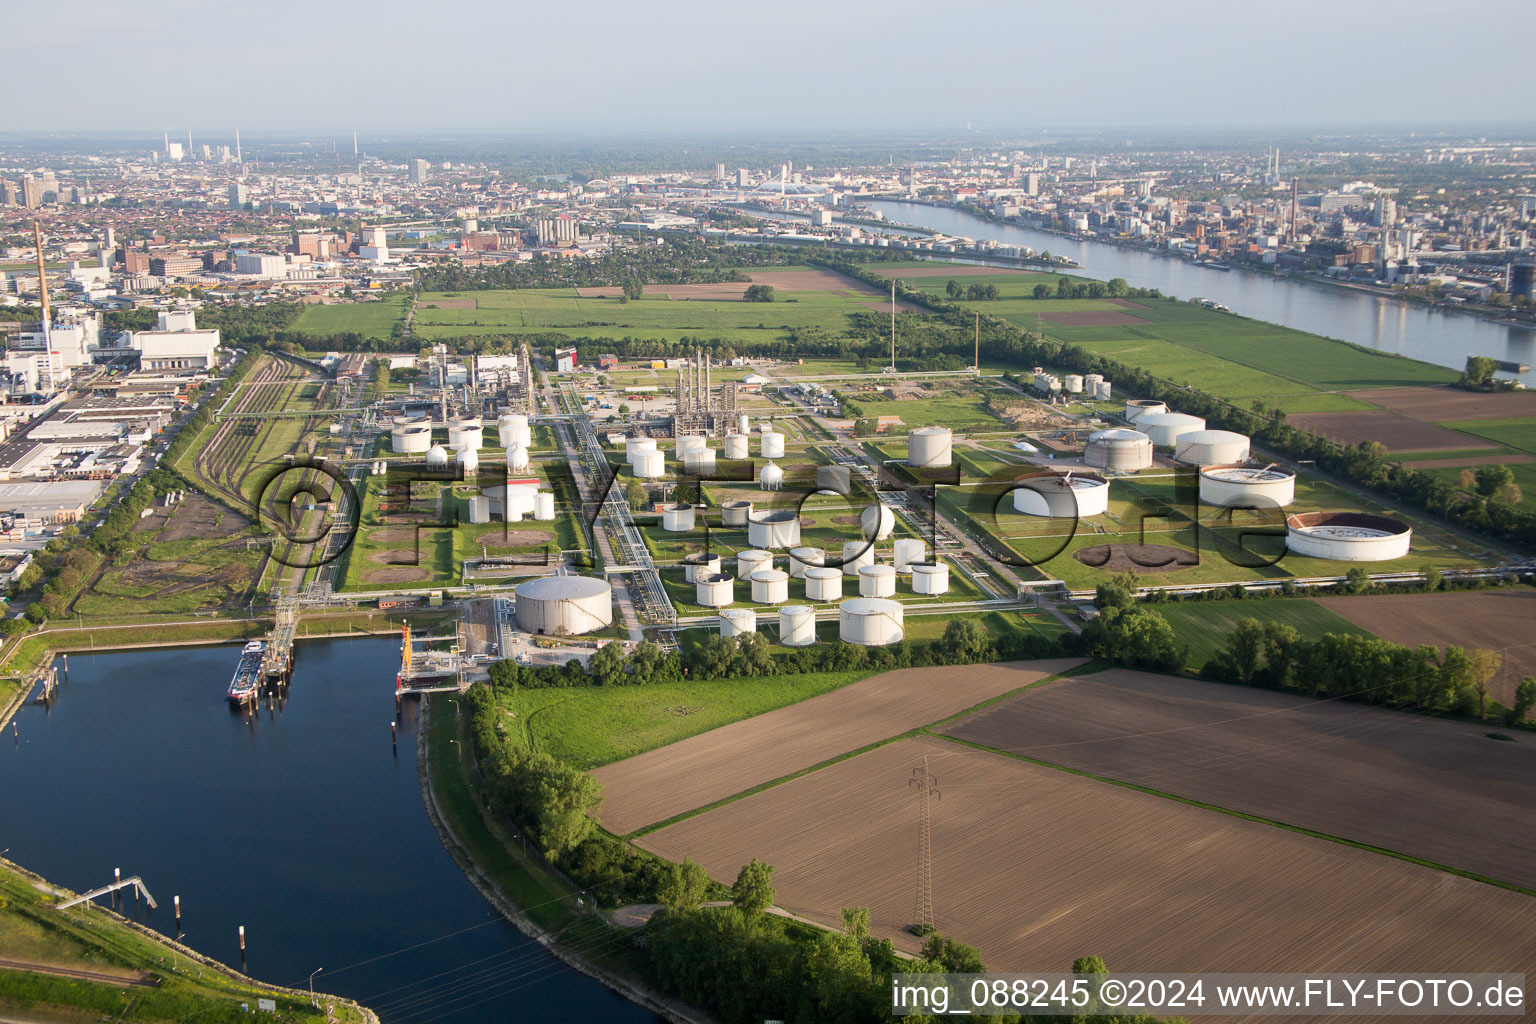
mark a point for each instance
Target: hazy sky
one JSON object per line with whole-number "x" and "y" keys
{"x": 389, "y": 65}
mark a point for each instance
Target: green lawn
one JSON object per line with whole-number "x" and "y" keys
{"x": 1519, "y": 433}
{"x": 1205, "y": 626}
{"x": 376, "y": 319}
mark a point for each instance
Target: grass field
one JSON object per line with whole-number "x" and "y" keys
{"x": 1204, "y": 626}
{"x": 370, "y": 319}
{"x": 1518, "y": 433}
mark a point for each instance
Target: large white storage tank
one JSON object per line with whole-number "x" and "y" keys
{"x": 648, "y": 465}
{"x": 699, "y": 461}
{"x": 1091, "y": 382}
{"x": 633, "y": 446}
{"x": 713, "y": 591}
{"x": 544, "y": 505}
{"x": 410, "y": 437}
{"x": 687, "y": 443}
{"x": 1247, "y": 486}
{"x": 930, "y": 578}
{"x": 823, "y": 583}
{"x": 1347, "y": 536}
{"x": 562, "y": 605}
{"x": 677, "y": 517}
{"x": 1072, "y": 383}
{"x": 736, "y": 621}
{"x": 770, "y": 586}
{"x": 465, "y": 433}
{"x": 930, "y": 446}
{"x": 736, "y": 447}
{"x": 1118, "y": 449}
{"x": 751, "y": 560}
{"x": 511, "y": 501}
{"x": 876, "y": 522}
{"x": 700, "y": 563}
{"x": 1135, "y": 408}
{"x": 1165, "y": 428}
{"x": 908, "y": 550}
{"x": 877, "y": 581}
{"x": 1211, "y": 448}
{"x": 512, "y": 428}
{"x": 437, "y": 457}
{"x": 1106, "y": 391}
{"x": 856, "y": 555}
{"x": 869, "y": 621}
{"x": 771, "y": 477}
{"x": 778, "y": 528}
{"x": 801, "y": 559}
{"x": 1061, "y": 496}
{"x": 797, "y": 625}
{"x": 773, "y": 445}
{"x": 736, "y": 513}
{"x": 517, "y": 457}
{"x": 479, "y": 509}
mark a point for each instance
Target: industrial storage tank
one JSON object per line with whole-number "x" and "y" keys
{"x": 823, "y": 583}
{"x": 479, "y": 509}
{"x": 801, "y": 559}
{"x": 677, "y": 517}
{"x": 699, "y": 461}
{"x": 736, "y": 447}
{"x": 700, "y": 563}
{"x": 736, "y": 621}
{"x": 410, "y": 437}
{"x": 1106, "y": 391}
{"x": 876, "y": 522}
{"x": 869, "y": 621}
{"x": 512, "y": 428}
{"x": 649, "y": 465}
{"x": 1118, "y": 449}
{"x": 773, "y": 445}
{"x": 511, "y": 501}
{"x": 468, "y": 458}
{"x": 930, "y": 446}
{"x": 687, "y": 443}
{"x": 465, "y": 433}
{"x": 930, "y": 578}
{"x": 877, "y": 581}
{"x": 437, "y": 457}
{"x": 1091, "y": 382}
{"x": 1347, "y": 536}
{"x": 1061, "y": 496}
{"x": 713, "y": 591}
{"x": 779, "y": 528}
{"x": 770, "y": 586}
{"x": 1165, "y": 428}
{"x": 633, "y": 446}
{"x": 1247, "y": 486}
{"x": 564, "y": 605}
{"x": 834, "y": 480}
{"x": 797, "y": 625}
{"x": 771, "y": 478}
{"x": 517, "y": 457}
{"x": 751, "y": 560}
{"x": 1072, "y": 383}
{"x": 908, "y": 550}
{"x": 1135, "y": 408}
{"x": 735, "y": 513}
{"x": 544, "y": 505}
{"x": 1211, "y": 448}
{"x": 856, "y": 555}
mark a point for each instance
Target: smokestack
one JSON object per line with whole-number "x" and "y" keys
{"x": 354, "y": 144}
{"x": 189, "y": 143}
{"x": 42, "y": 288}
{"x": 167, "y": 143}
{"x": 238, "y": 160}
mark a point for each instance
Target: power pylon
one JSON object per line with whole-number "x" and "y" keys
{"x": 928, "y": 788}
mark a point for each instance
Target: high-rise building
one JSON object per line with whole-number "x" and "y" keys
{"x": 1386, "y": 211}
{"x": 743, "y": 179}
{"x": 31, "y": 192}
{"x": 1032, "y": 184}
{"x": 1522, "y": 279}
{"x": 719, "y": 172}
{"x": 173, "y": 150}
{"x": 418, "y": 171}
{"x": 135, "y": 261}
{"x": 9, "y": 196}
{"x": 239, "y": 195}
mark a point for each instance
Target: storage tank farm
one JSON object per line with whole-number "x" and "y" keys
{"x": 736, "y": 621}
{"x": 700, "y": 563}
{"x": 870, "y": 621}
{"x": 563, "y": 605}
{"x": 1211, "y": 448}
{"x": 1247, "y": 486}
{"x": 803, "y": 558}
{"x": 797, "y": 625}
{"x": 1118, "y": 450}
{"x": 1165, "y": 428}
{"x": 1061, "y": 495}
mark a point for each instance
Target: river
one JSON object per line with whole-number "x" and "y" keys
{"x": 1370, "y": 320}
{"x": 301, "y": 824}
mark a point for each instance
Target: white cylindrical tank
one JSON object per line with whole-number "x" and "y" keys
{"x": 512, "y": 428}
{"x": 908, "y": 550}
{"x": 777, "y": 528}
{"x": 736, "y": 621}
{"x": 797, "y": 625}
{"x": 699, "y": 461}
{"x": 876, "y": 522}
{"x": 744, "y": 424}
{"x": 412, "y": 437}
{"x": 687, "y": 443}
{"x": 649, "y": 465}
{"x": 517, "y": 457}
{"x": 1211, "y": 448}
{"x": 561, "y": 605}
{"x": 751, "y": 560}
{"x": 1347, "y": 536}
{"x": 1091, "y": 382}
{"x": 699, "y": 563}
{"x": 773, "y": 445}
{"x": 1165, "y": 428}
{"x": 633, "y": 446}
{"x": 770, "y": 586}
{"x": 1118, "y": 449}
{"x": 823, "y": 583}
{"x": 465, "y": 433}
{"x": 677, "y": 517}
{"x": 713, "y": 591}
{"x": 735, "y": 513}
{"x": 877, "y": 581}
{"x": 1072, "y": 383}
{"x": 1062, "y": 496}
{"x": 930, "y": 446}
{"x": 801, "y": 559}
{"x": 479, "y": 509}
{"x": 1106, "y": 390}
{"x": 1135, "y": 408}
{"x": 512, "y": 501}
{"x": 544, "y": 505}
{"x": 1247, "y": 486}
{"x": 437, "y": 457}
{"x": 856, "y": 555}
{"x": 930, "y": 578}
{"x": 736, "y": 447}
{"x": 869, "y": 621}
{"x": 771, "y": 477}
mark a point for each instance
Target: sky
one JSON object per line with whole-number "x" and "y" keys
{"x": 600, "y": 65}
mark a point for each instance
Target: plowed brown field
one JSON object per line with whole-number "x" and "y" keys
{"x": 1397, "y": 432}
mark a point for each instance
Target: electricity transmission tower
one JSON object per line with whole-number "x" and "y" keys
{"x": 928, "y": 788}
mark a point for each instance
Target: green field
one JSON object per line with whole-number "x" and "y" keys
{"x": 375, "y": 319}
{"x": 1205, "y": 626}
{"x": 1519, "y": 433}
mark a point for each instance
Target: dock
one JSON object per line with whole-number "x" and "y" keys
{"x": 429, "y": 664}
{"x": 277, "y": 662}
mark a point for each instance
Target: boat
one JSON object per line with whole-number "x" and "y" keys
{"x": 246, "y": 682}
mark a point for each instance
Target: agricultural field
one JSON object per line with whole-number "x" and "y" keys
{"x": 1431, "y": 789}
{"x": 376, "y": 319}
{"x": 1204, "y": 626}
{"x": 1035, "y": 866}
{"x": 659, "y": 785}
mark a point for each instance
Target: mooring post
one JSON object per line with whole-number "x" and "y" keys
{"x": 176, "y": 902}
{"x": 242, "y": 942}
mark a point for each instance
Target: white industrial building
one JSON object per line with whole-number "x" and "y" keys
{"x": 176, "y": 344}
{"x": 258, "y": 264}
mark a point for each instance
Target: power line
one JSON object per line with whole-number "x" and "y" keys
{"x": 928, "y": 788}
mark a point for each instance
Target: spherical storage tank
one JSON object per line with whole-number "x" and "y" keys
{"x": 751, "y": 560}
{"x": 1135, "y": 408}
{"x": 823, "y": 583}
{"x": 779, "y": 528}
{"x": 930, "y": 578}
{"x": 736, "y": 513}
{"x": 517, "y": 457}
{"x": 876, "y": 522}
{"x": 468, "y": 458}
{"x": 908, "y": 550}
{"x": 736, "y": 447}
{"x": 544, "y": 506}
{"x": 773, "y": 445}
{"x": 700, "y": 563}
{"x": 1118, "y": 449}
{"x": 1347, "y": 536}
{"x": 633, "y": 446}
{"x": 1061, "y": 496}
{"x": 801, "y": 559}
{"x": 930, "y": 446}
{"x": 437, "y": 457}
{"x": 1211, "y": 448}
{"x": 512, "y": 428}
{"x": 877, "y": 581}
{"x": 770, "y": 586}
{"x": 714, "y": 591}
{"x": 771, "y": 478}
{"x": 465, "y": 433}
{"x": 1247, "y": 486}
{"x": 410, "y": 437}
{"x": 677, "y": 517}
{"x": 869, "y": 621}
{"x": 559, "y": 605}
{"x": 736, "y": 621}
{"x": 797, "y": 625}
{"x": 856, "y": 555}
{"x": 1165, "y": 428}
{"x": 648, "y": 465}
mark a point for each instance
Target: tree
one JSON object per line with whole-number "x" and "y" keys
{"x": 759, "y": 293}
{"x": 1509, "y": 494}
{"x": 856, "y": 922}
{"x": 865, "y": 427}
{"x": 1281, "y": 643}
{"x": 1113, "y": 594}
{"x": 1466, "y": 480}
{"x": 1357, "y": 580}
{"x": 1246, "y": 647}
{"x": 1525, "y": 699}
{"x": 1042, "y": 291}
{"x": 1485, "y": 665}
{"x": 1479, "y": 370}
{"x": 1491, "y": 478}
{"x": 683, "y": 886}
{"x": 752, "y": 892}
{"x": 1117, "y": 287}
{"x": 623, "y": 408}
{"x": 953, "y": 289}
{"x": 1138, "y": 637}
{"x": 965, "y": 642}
{"x": 635, "y": 494}
{"x": 633, "y": 288}
{"x": 606, "y": 667}
{"x": 954, "y": 957}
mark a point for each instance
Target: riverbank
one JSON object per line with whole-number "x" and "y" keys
{"x": 82, "y": 963}
{"x": 542, "y": 904}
